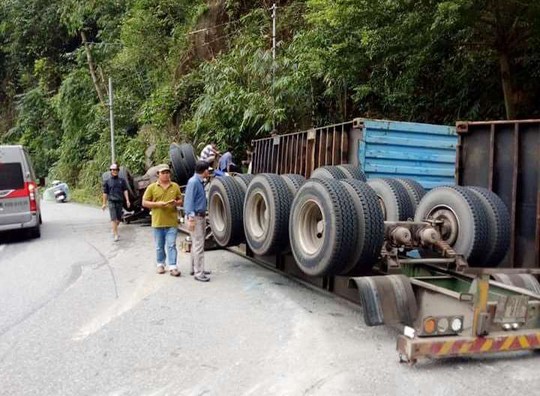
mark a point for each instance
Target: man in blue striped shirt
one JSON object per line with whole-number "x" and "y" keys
{"x": 195, "y": 208}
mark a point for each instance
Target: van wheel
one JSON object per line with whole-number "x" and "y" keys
{"x": 35, "y": 232}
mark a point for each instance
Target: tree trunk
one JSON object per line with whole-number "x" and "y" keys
{"x": 92, "y": 68}
{"x": 508, "y": 89}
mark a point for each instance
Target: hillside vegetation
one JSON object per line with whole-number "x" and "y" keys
{"x": 196, "y": 70}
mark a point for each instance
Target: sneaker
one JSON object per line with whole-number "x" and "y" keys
{"x": 201, "y": 278}
{"x": 116, "y": 238}
{"x": 205, "y": 272}
{"x": 160, "y": 269}
{"x": 175, "y": 272}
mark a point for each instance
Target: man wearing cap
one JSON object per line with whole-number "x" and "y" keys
{"x": 162, "y": 197}
{"x": 115, "y": 191}
{"x": 195, "y": 208}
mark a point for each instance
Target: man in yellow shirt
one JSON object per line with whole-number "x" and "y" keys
{"x": 162, "y": 197}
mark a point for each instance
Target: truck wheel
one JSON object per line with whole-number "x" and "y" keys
{"x": 35, "y": 232}
{"x": 328, "y": 172}
{"x": 353, "y": 172}
{"x": 387, "y": 299}
{"x": 243, "y": 180}
{"x": 370, "y": 227}
{"x": 464, "y": 225}
{"x": 152, "y": 174}
{"x": 393, "y": 199}
{"x": 414, "y": 189}
{"x": 294, "y": 182}
{"x": 226, "y": 200}
{"x": 188, "y": 155}
{"x": 525, "y": 281}
{"x": 323, "y": 227}
{"x": 180, "y": 173}
{"x": 498, "y": 220}
{"x": 125, "y": 174}
{"x": 266, "y": 214}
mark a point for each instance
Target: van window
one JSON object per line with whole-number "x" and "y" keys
{"x": 11, "y": 176}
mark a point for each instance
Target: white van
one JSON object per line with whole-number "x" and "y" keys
{"x": 19, "y": 196}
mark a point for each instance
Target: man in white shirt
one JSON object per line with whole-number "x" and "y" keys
{"x": 209, "y": 153}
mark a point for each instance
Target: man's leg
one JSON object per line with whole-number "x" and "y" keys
{"x": 197, "y": 247}
{"x": 170, "y": 239}
{"x": 159, "y": 239}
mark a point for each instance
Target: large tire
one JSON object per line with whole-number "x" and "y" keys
{"x": 370, "y": 227}
{"x": 225, "y": 206}
{"x": 525, "y": 281}
{"x": 188, "y": 155}
{"x": 465, "y": 227}
{"x": 387, "y": 299}
{"x": 152, "y": 173}
{"x": 294, "y": 182}
{"x": 498, "y": 220}
{"x": 323, "y": 229}
{"x": 244, "y": 180}
{"x": 125, "y": 174}
{"x": 180, "y": 172}
{"x": 328, "y": 172}
{"x": 414, "y": 189}
{"x": 353, "y": 172}
{"x": 393, "y": 198}
{"x": 267, "y": 207}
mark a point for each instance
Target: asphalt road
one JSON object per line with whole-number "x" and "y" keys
{"x": 83, "y": 315}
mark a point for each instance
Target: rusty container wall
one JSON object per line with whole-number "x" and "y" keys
{"x": 504, "y": 156}
{"x": 302, "y": 152}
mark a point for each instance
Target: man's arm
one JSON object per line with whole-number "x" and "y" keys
{"x": 189, "y": 204}
{"x": 105, "y": 196}
{"x": 148, "y": 202}
{"x": 126, "y": 195}
{"x": 178, "y": 200}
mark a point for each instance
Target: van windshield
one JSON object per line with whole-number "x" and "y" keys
{"x": 11, "y": 176}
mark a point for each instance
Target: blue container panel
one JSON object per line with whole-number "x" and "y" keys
{"x": 423, "y": 152}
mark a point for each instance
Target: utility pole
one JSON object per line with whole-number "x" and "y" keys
{"x": 274, "y": 8}
{"x": 111, "y": 115}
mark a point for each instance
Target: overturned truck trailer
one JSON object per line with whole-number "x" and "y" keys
{"x": 369, "y": 210}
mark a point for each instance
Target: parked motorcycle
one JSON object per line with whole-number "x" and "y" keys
{"x": 60, "y": 191}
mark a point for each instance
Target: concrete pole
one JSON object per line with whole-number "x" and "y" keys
{"x": 274, "y": 16}
{"x": 111, "y": 114}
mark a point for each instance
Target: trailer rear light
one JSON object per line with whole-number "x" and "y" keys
{"x": 456, "y": 324}
{"x": 510, "y": 326}
{"x": 429, "y": 325}
{"x": 442, "y": 325}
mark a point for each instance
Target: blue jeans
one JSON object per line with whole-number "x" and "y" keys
{"x": 165, "y": 237}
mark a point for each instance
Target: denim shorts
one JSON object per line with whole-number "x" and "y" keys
{"x": 116, "y": 210}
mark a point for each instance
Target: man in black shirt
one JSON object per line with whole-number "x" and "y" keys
{"x": 115, "y": 191}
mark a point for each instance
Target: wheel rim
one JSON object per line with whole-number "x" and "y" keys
{"x": 382, "y": 205}
{"x": 217, "y": 208}
{"x": 311, "y": 227}
{"x": 449, "y": 229}
{"x": 258, "y": 215}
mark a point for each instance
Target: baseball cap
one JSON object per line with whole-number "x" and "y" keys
{"x": 113, "y": 167}
{"x": 163, "y": 167}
